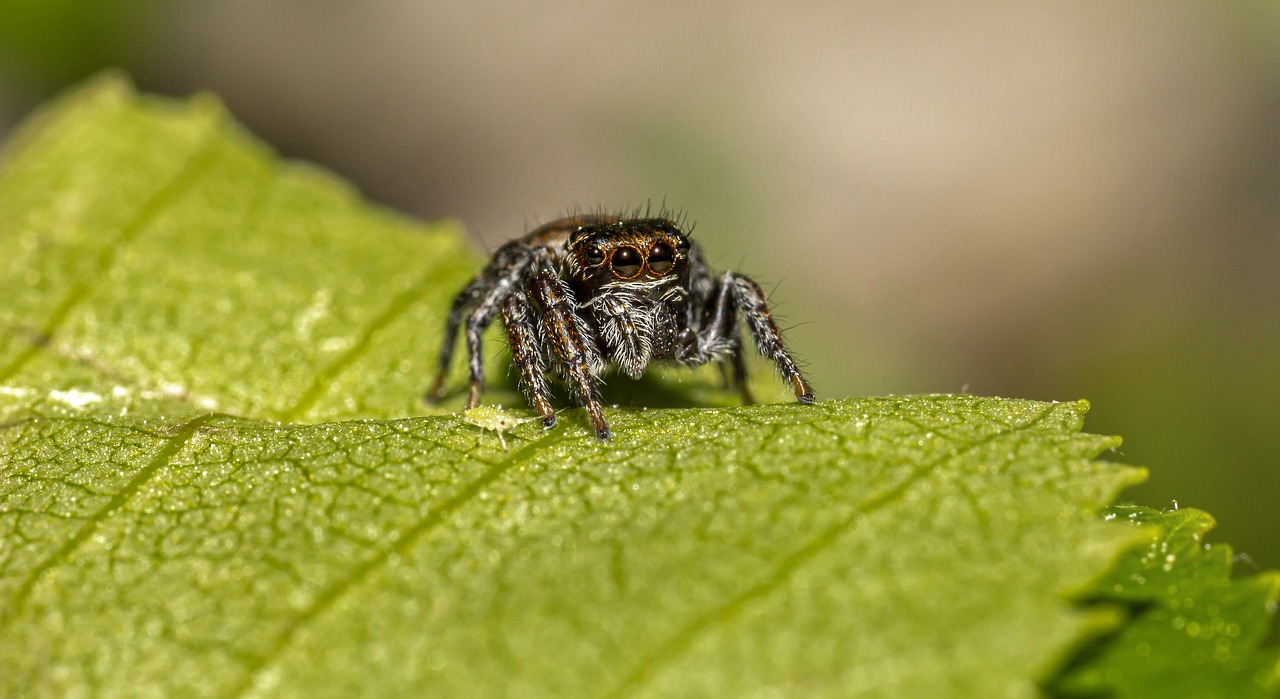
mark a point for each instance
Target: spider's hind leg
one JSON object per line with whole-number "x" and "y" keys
{"x": 461, "y": 304}
{"x": 736, "y": 372}
{"x": 478, "y": 303}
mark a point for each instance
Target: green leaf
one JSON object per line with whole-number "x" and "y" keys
{"x": 1197, "y": 630}
{"x": 217, "y": 477}
{"x": 895, "y": 545}
{"x": 156, "y": 259}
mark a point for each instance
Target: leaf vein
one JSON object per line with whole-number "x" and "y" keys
{"x": 189, "y": 173}
{"x": 163, "y": 457}
{"x": 329, "y": 597}
{"x": 325, "y": 377}
{"x": 669, "y": 652}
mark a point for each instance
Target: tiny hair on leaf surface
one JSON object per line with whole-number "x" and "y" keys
{"x": 217, "y": 477}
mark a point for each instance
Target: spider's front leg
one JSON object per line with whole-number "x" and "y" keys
{"x": 554, "y": 301}
{"x": 748, "y": 298}
{"x": 522, "y": 330}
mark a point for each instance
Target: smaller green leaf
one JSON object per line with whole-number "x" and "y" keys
{"x": 1198, "y": 632}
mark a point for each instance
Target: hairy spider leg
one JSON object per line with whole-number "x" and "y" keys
{"x": 717, "y": 329}
{"x": 736, "y": 368}
{"x": 738, "y": 373}
{"x": 749, "y": 299}
{"x": 555, "y": 302}
{"x": 733, "y": 371}
{"x": 523, "y": 332}
{"x": 717, "y": 335}
{"x": 461, "y": 303}
{"x": 478, "y": 303}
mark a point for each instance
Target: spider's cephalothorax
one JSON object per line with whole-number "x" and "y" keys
{"x": 584, "y": 293}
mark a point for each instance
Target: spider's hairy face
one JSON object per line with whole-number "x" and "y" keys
{"x": 634, "y": 255}
{"x": 631, "y": 280}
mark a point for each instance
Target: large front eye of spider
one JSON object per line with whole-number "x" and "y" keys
{"x": 661, "y": 259}
{"x": 594, "y": 256}
{"x": 626, "y": 262}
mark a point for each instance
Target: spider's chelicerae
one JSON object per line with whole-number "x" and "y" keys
{"x": 585, "y": 293}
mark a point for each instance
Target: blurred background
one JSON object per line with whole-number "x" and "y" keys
{"x": 1046, "y": 200}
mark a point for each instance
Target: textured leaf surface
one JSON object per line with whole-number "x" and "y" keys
{"x": 217, "y": 478}
{"x": 1197, "y": 630}
{"x": 895, "y": 545}
{"x": 155, "y": 258}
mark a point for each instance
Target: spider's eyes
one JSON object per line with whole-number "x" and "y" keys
{"x": 661, "y": 258}
{"x": 682, "y": 244}
{"x": 595, "y": 256}
{"x": 626, "y": 262}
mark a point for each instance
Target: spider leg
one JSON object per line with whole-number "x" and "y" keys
{"x": 478, "y": 302}
{"x": 749, "y": 299}
{"x": 717, "y": 336}
{"x": 554, "y": 301}
{"x": 461, "y": 304}
{"x": 739, "y": 371}
{"x": 732, "y": 368}
{"x": 720, "y": 334}
{"x": 522, "y": 331}
{"x": 715, "y": 333}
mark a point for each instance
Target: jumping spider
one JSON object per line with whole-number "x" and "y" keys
{"x": 584, "y": 293}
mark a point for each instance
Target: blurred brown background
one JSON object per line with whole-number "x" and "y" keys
{"x": 1050, "y": 200}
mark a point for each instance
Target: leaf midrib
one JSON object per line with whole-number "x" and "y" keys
{"x": 182, "y": 435}
{"x": 193, "y": 168}
{"x": 328, "y": 597}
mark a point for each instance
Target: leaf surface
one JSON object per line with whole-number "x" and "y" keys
{"x": 860, "y": 545}
{"x": 1196, "y": 632}
{"x": 217, "y": 477}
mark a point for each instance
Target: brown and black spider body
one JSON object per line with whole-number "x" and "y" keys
{"x": 587, "y": 293}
